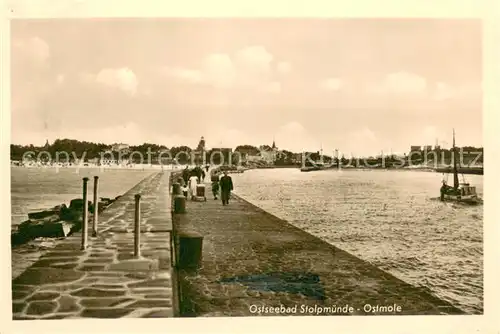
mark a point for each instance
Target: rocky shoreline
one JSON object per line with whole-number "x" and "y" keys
{"x": 58, "y": 222}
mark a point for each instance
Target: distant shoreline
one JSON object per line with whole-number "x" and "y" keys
{"x": 462, "y": 170}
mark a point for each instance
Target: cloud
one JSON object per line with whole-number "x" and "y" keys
{"x": 253, "y": 61}
{"x": 295, "y": 137}
{"x": 361, "y": 142}
{"x": 430, "y": 134}
{"x": 284, "y": 67}
{"x": 331, "y": 84}
{"x": 272, "y": 87}
{"x": 443, "y": 92}
{"x": 60, "y": 79}
{"x": 218, "y": 70}
{"x": 34, "y": 50}
{"x": 250, "y": 67}
{"x": 31, "y": 78}
{"x": 131, "y": 133}
{"x": 192, "y": 76}
{"x": 401, "y": 83}
{"x": 289, "y": 136}
{"x": 121, "y": 78}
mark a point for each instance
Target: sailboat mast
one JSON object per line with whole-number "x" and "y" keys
{"x": 455, "y": 169}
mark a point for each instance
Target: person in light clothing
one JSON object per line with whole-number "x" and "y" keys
{"x": 185, "y": 190}
{"x": 193, "y": 182}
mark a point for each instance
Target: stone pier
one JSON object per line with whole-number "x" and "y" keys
{"x": 252, "y": 260}
{"x": 105, "y": 280}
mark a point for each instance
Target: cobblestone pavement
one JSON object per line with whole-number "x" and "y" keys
{"x": 105, "y": 281}
{"x": 253, "y": 258}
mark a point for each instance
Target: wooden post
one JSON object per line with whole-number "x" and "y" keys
{"x": 137, "y": 230}
{"x": 176, "y": 189}
{"x": 180, "y": 180}
{"x": 96, "y": 206}
{"x": 179, "y": 204}
{"x": 190, "y": 250}
{"x": 85, "y": 214}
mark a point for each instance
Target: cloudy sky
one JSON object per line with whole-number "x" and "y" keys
{"x": 360, "y": 86}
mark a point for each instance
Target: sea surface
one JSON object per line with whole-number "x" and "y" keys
{"x": 392, "y": 219}
{"x": 36, "y": 189}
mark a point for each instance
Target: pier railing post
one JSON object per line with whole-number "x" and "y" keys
{"x": 176, "y": 189}
{"x": 85, "y": 214}
{"x": 96, "y": 206}
{"x": 137, "y": 224}
{"x": 190, "y": 250}
{"x": 179, "y": 204}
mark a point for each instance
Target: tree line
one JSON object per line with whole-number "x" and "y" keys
{"x": 89, "y": 151}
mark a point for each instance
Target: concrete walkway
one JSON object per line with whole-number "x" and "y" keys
{"x": 105, "y": 281}
{"x": 253, "y": 259}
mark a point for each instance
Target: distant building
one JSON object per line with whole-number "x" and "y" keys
{"x": 215, "y": 156}
{"x": 297, "y": 158}
{"x": 199, "y": 153}
{"x": 201, "y": 145}
{"x": 428, "y": 148}
{"x": 269, "y": 155}
{"x": 415, "y": 148}
{"x": 119, "y": 147}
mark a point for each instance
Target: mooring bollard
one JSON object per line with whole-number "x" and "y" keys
{"x": 84, "y": 214}
{"x": 190, "y": 250}
{"x": 96, "y": 206}
{"x": 179, "y": 204}
{"x": 176, "y": 188}
{"x": 137, "y": 229}
{"x": 180, "y": 180}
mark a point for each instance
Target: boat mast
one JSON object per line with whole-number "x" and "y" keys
{"x": 455, "y": 169}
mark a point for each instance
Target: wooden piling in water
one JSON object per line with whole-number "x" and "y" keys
{"x": 85, "y": 214}
{"x": 137, "y": 224}
{"x": 96, "y": 207}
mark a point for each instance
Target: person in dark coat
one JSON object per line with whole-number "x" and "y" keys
{"x": 186, "y": 175}
{"x": 215, "y": 185}
{"x": 443, "y": 190}
{"x": 226, "y": 186}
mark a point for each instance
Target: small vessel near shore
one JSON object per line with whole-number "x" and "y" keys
{"x": 310, "y": 166}
{"x": 313, "y": 166}
{"x": 461, "y": 192}
{"x": 231, "y": 169}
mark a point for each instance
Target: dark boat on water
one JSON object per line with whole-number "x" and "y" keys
{"x": 313, "y": 166}
{"x": 461, "y": 192}
{"x": 462, "y": 170}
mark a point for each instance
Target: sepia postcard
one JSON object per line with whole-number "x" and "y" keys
{"x": 210, "y": 165}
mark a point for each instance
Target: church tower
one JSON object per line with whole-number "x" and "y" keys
{"x": 201, "y": 145}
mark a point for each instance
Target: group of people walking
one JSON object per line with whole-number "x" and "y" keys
{"x": 225, "y": 183}
{"x": 196, "y": 176}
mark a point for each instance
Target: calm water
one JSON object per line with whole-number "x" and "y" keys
{"x": 389, "y": 218}
{"x": 34, "y": 189}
